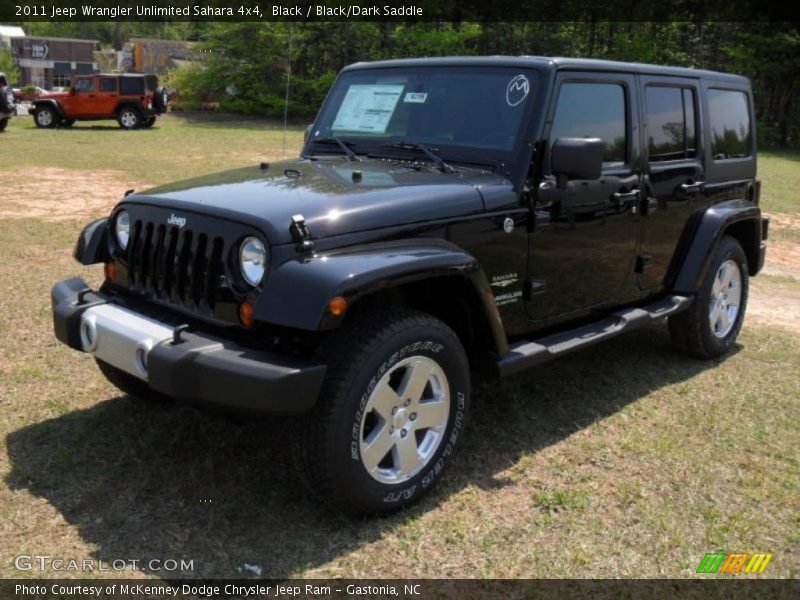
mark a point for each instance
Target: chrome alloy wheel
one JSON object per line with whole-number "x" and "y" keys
{"x": 726, "y": 298}
{"x": 404, "y": 420}
{"x": 128, "y": 119}
{"x": 45, "y": 117}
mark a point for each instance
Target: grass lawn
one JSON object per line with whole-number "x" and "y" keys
{"x": 624, "y": 460}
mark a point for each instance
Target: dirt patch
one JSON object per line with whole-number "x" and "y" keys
{"x": 54, "y": 194}
{"x": 774, "y": 303}
{"x": 783, "y": 258}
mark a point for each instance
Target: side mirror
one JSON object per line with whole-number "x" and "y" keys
{"x": 577, "y": 158}
{"x": 308, "y": 132}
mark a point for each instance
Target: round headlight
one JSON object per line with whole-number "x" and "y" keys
{"x": 253, "y": 260}
{"x": 122, "y": 228}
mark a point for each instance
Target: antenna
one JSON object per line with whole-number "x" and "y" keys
{"x": 288, "y": 85}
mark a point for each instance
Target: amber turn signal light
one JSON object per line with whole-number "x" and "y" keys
{"x": 337, "y": 306}
{"x": 246, "y": 314}
{"x": 111, "y": 271}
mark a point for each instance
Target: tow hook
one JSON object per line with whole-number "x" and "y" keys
{"x": 301, "y": 234}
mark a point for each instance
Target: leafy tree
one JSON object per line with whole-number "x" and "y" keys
{"x": 9, "y": 67}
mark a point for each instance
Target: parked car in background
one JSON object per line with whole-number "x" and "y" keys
{"x": 133, "y": 100}
{"x": 7, "y": 102}
{"x": 28, "y": 93}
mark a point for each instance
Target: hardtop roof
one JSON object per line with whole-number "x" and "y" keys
{"x": 557, "y": 63}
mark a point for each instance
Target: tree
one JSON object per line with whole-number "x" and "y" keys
{"x": 9, "y": 66}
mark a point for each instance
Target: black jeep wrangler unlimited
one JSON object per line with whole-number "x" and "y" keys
{"x": 444, "y": 215}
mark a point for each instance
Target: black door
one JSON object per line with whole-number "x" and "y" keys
{"x": 673, "y": 181}
{"x": 583, "y": 246}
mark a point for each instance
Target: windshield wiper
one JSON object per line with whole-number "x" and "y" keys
{"x": 345, "y": 146}
{"x": 429, "y": 152}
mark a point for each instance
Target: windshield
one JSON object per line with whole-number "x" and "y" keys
{"x": 458, "y": 111}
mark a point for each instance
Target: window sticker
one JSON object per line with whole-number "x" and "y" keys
{"x": 517, "y": 90}
{"x": 415, "y": 97}
{"x": 367, "y": 108}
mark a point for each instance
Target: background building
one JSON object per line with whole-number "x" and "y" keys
{"x": 49, "y": 61}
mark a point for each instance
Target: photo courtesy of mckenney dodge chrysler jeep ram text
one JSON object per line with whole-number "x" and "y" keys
{"x": 445, "y": 216}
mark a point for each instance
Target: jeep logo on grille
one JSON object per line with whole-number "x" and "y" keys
{"x": 175, "y": 220}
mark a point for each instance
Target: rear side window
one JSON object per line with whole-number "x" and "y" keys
{"x": 131, "y": 85}
{"x": 729, "y": 118}
{"x": 108, "y": 84}
{"x": 593, "y": 110}
{"x": 670, "y": 123}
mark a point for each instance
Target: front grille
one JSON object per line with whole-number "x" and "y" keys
{"x": 181, "y": 267}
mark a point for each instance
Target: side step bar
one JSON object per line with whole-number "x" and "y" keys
{"x": 525, "y": 354}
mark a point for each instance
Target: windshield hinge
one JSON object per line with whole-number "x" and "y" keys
{"x": 301, "y": 234}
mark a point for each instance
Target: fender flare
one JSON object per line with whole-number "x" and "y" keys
{"x": 296, "y": 294}
{"x": 49, "y": 102}
{"x": 92, "y": 245}
{"x": 712, "y": 226}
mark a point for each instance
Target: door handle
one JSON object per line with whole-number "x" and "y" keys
{"x": 692, "y": 188}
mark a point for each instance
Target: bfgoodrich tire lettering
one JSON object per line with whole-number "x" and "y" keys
{"x": 328, "y": 444}
{"x": 693, "y": 331}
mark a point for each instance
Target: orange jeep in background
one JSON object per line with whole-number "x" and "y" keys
{"x": 133, "y": 100}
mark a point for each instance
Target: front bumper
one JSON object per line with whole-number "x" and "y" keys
{"x": 196, "y": 367}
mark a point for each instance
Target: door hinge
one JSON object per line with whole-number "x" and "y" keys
{"x": 643, "y": 262}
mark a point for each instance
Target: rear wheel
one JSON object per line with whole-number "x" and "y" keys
{"x": 66, "y": 123}
{"x": 133, "y": 386}
{"x": 45, "y": 117}
{"x": 129, "y": 118}
{"x": 712, "y": 324}
{"x": 3, "y": 124}
{"x": 390, "y": 413}
{"x": 148, "y": 122}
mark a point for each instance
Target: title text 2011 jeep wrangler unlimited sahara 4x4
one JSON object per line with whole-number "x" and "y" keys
{"x": 133, "y": 100}
{"x": 444, "y": 213}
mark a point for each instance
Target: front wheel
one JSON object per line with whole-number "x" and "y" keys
{"x": 44, "y": 118}
{"x": 3, "y": 124}
{"x": 148, "y": 122}
{"x": 710, "y": 327}
{"x": 391, "y": 411}
{"x": 66, "y": 123}
{"x": 129, "y": 118}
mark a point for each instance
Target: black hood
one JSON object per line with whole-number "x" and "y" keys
{"x": 333, "y": 195}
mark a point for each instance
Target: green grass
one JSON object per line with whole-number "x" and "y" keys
{"x": 179, "y": 146}
{"x": 779, "y": 172}
{"x": 625, "y": 460}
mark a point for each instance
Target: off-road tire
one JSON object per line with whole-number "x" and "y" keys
{"x": 160, "y": 99}
{"x": 3, "y": 123}
{"x": 66, "y": 123}
{"x": 691, "y": 330}
{"x": 326, "y": 442}
{"x": 129, "y": 117}
{"x": 133, "y": 386}
{"x": 41, "y": 120}
{"x": 5, "y": 106}
{"x": 148, "y": 122}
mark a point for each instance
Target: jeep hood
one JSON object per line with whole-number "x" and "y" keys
{"x": 334, "y": 196}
